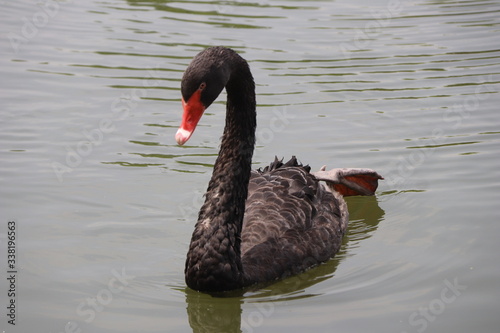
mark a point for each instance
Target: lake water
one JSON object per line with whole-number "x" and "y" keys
{"x": 104, "y": 201}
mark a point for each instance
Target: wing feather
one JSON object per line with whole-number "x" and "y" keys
{"x": 292, "y": 222}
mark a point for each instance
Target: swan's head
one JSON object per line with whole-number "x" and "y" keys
{"x": 203, "y": 81}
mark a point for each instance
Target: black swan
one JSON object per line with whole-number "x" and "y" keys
{"x": 257, "y": 226}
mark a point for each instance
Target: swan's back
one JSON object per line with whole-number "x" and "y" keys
{"x": 292, "y": 222}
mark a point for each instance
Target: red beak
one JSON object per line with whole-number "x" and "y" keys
{"x": 193, "y": 110}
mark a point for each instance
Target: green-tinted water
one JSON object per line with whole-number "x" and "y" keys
{"x": 105, "y": 202}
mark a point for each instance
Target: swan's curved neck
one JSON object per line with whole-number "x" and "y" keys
{"x": 214, "y": 260}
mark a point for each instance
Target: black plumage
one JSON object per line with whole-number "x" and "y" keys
{"x": 256, "y": 226}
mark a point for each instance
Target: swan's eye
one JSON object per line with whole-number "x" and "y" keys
{"x": 203, "y": 85}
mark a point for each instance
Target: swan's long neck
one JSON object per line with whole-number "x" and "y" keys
{"x": 214, "y": 259}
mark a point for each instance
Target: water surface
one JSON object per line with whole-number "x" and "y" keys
{"x": 105, "y": 202}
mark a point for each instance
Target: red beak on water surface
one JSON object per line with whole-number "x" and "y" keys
{"x": 193, "y": 110}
